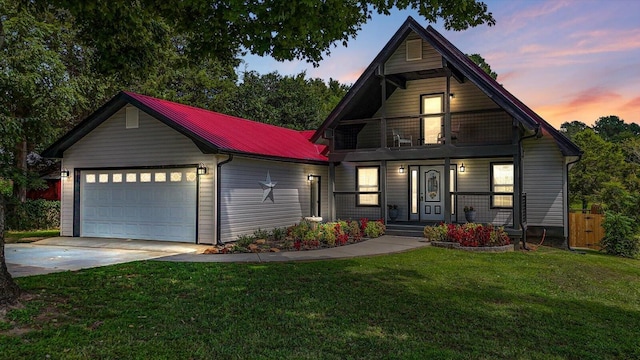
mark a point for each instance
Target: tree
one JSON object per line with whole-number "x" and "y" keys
{"x": 612, "y": 128}
{"x": 40, "y": 78}
{"x": 482, "y": 63}
{"x": 122, "y": 31}
{"x": 601, "y": 162}
{"x": 295, "y": 102}
{"x": 570, "y": 129}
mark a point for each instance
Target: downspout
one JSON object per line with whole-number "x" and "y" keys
{"x": 218, "y": 195}
{"x": 569, "y": 202}
{"x": 537, "y": 135}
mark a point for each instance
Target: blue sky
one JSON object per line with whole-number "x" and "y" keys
{"x": 566, "y": 59}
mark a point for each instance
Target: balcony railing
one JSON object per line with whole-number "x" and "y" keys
{"x": 467, "y": 128}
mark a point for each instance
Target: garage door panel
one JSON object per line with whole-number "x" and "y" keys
{"x": 139, "y": 204}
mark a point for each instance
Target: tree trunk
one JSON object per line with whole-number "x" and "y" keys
{"x": 19, "y": 189}
{"x": 9, "y": 290}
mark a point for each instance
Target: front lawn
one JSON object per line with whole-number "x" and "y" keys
{"x": 424, "y": 304}
{"x": 29, "y": 236}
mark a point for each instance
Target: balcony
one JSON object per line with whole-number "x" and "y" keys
{"x": 467, "y": 129}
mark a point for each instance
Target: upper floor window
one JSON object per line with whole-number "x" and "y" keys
{"x": 432, "y": 109}
{"x": 502, "y": 182}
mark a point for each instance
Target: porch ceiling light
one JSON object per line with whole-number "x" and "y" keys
{"x": 462, "y": 168}
{"x": 401, "y": 169}
{"x": 64, "y": 173}
{"x": 202, "y": 170}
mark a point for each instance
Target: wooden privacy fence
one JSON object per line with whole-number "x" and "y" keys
{"x": 585, "y": 230}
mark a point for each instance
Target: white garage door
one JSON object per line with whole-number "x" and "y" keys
{"x": 152, "y": 204}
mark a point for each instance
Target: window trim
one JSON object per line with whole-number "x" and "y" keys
{"x": 491, "y": 185}
{"x": 423, "y": 118}
{"x": 358, "y": 204}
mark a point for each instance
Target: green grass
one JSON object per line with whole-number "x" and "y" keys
{"x": 425, "y": 304}
{"x": 28, "y": 236}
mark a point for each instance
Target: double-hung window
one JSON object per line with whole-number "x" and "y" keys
{"x": 368, "y": 180}
{"x": 502, "y": 182}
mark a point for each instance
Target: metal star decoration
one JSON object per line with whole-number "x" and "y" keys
{"x": 267, "y": 188}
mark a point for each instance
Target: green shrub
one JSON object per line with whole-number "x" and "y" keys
{"x": 244, "y": 240}
{"x": 374, "y": 229}
{"x": 261, "y": 234}
{"x": 33, "y": 215}
{"x": 436, "y": 232}
{"x": 278, "y": 234}
{"x": 328, "y": 233}
{"x": 620, "y": 238}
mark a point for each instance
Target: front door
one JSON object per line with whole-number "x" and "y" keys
{"x": 432, "y": 193}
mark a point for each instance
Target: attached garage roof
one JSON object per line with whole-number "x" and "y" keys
{"x": 212, "y": 132}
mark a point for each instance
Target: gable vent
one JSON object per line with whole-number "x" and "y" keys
{"x": 132, "y": 118}
{"x": 414, "y": 50}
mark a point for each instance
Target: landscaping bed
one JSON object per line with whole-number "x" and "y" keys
{"x": 306, "y": 235}
{"x": 470, "y": 237}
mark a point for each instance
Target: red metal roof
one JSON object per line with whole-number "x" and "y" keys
{"x": 233, "y": 134}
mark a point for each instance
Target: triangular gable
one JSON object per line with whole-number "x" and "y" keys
{"x": 366, "y": 89}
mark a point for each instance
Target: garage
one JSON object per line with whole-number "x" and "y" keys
{"x": 150, "y": 204}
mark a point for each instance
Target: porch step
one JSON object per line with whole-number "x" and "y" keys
{"x": 405, "y": 230}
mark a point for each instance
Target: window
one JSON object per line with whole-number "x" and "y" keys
{"x": 432, "y": 124}
{"x": 368, "y": 179}
{"x": 502, "y": 182}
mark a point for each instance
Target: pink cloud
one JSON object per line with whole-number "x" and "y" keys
{"x": 633, "y": 105}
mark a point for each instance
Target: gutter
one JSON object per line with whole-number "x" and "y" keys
{"x": 218, "y": 196}
{"x": 537, "y": 134}
{"x": 568, "y": 205}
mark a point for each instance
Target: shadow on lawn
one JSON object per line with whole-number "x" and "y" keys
{"x": 330, "y": 309}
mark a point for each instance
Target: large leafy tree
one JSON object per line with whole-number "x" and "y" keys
{"x": 601, "y": 163}
{"x": 296, "y": 102}
{"x": 40, "y": 70}
{"x": 612, "y": 128}
{"x": 571, "y": 129}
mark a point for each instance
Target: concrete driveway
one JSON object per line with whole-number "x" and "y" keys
{"x": 66, "y": 253}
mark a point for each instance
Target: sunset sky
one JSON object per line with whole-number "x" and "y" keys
{"x": 567, "y": 60}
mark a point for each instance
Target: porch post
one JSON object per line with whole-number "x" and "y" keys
{"x": 447, "y": 190}
{"x": 517, "y": 184}
{"x": 383, "y": 189}
{"x": 331, "y": 188}
{"x": 383, "y": 108}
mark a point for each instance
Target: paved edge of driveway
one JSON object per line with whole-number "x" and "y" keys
{"x": 386, "y": 244}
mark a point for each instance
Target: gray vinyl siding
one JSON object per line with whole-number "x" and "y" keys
{"x": 543, "y": 182}
{"x": 406, "y": 102}
{"x": 151, "y": 144}
{"x": 397, "y": 62}
{"x": 242, "y": 208}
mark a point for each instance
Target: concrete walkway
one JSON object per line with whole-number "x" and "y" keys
{"x": 70, "y": 254}
{"x": 386, "y": 244}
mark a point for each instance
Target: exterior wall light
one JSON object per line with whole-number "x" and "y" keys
{"x": 310, "y": 177}
{"x": 64, "y": 173}
{"x": 451, "y": 95}
{"x": 462, "y": 168}
{"x": 202, "y": 170}
{"x": 401, "y": 169}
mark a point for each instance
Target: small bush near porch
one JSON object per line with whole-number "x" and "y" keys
{"x": 468, "y": 235}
